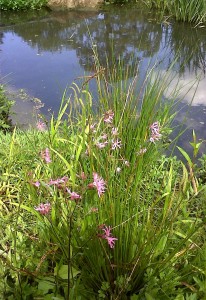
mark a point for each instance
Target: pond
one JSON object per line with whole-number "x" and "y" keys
{"x": 42, "y": 52}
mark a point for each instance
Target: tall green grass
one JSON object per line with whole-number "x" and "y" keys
{"x": 182, "y": 10}
{"x": 146, "y": 201}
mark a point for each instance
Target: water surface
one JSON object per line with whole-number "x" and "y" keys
{"x": 42, "y": 52}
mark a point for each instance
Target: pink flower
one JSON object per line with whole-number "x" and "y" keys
{"x": 101, "y": 145}
{"x": 98, "y": 183}
{"x": 116, "y": 144}
{"x": 73, "y": 195}
{"x": 142, "y": 151}
{"x": 41, "y": 126}
{"x": 155, "y": 127}
{"x": 36, "y": 183}
{"x": 83, "y": 176}
{"x": 93, "y": 209}
{"x": 108, "y": 116}
{"x": 43, "y": 209}
{"x": 115, "y": 131}
{"x": 111, "y": 241}
{"x": 58, "y": 181}
{"x": 104, "y": 136}
{"x": 155, "y": 132}
{"x": 92, "y": 127}
{"x": 46, "y": 155}
{"x": 107, "y": 236}
{"x": 107, "y": 231}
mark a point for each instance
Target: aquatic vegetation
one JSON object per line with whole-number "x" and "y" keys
{"x": 182, "y": 10}
{"x": 5, "y": 108}
{"x": 85, "y": 222}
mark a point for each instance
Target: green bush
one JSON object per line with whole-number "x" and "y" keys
{"x": 21, "y": 4}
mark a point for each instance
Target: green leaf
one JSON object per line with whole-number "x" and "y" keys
{"x": 46, "y": 285}
{"x": 160, "y": 246}
{"x": 186, "y": 156}
{"x": 134, "y": 297}
{"x": 149, "y": 297}
{"x": 63, "y": 272}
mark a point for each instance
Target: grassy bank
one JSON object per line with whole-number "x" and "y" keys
{"x": 22, "y": 4}
{"x": 90, "y": 206}
{"x": 182, "y": 10}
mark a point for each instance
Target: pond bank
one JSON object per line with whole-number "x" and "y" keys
{"x": 62, "y": 4}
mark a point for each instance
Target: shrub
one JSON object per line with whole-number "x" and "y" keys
{"x": 21, "y": 4}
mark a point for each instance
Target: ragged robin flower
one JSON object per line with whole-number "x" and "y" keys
{"x": 108, "y": 237}
{"x": 98, "y": 183}
{"x": 46, "y": 155}
{"x": 41, "y": 126}
{"x": 43, "y": 209}
{"x": 108, "y": 117}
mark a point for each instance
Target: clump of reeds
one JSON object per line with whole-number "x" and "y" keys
{"x": 182, "y": 10}
{"x": 90, "y": 207}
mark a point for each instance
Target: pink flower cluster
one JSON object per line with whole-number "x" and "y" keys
{"x": 108, "y": 117}
{"x": 155, "y": 132}
{"x": 45, "y": 154}
{"x": 98, "y": 183}
{"x": 103, "y": 140}
{"x": 59, "y": 181}
{"x": 41, "y": 126}
{"x": 73, "y": 195}
{"x": 43, "y": 209}
{"x": 103, "y": 144}
{"x": 108, "y": 237}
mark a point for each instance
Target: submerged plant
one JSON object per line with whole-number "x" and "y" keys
{"x": 5, "y": 110}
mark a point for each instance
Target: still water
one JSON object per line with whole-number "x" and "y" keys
{"x": 43, "y": 52}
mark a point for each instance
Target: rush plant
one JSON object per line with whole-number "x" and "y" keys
{"x": 182, "y": 10}
{"x": 90, "y": 207}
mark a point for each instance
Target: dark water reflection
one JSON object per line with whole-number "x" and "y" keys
{"x": 44, "y": 51}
